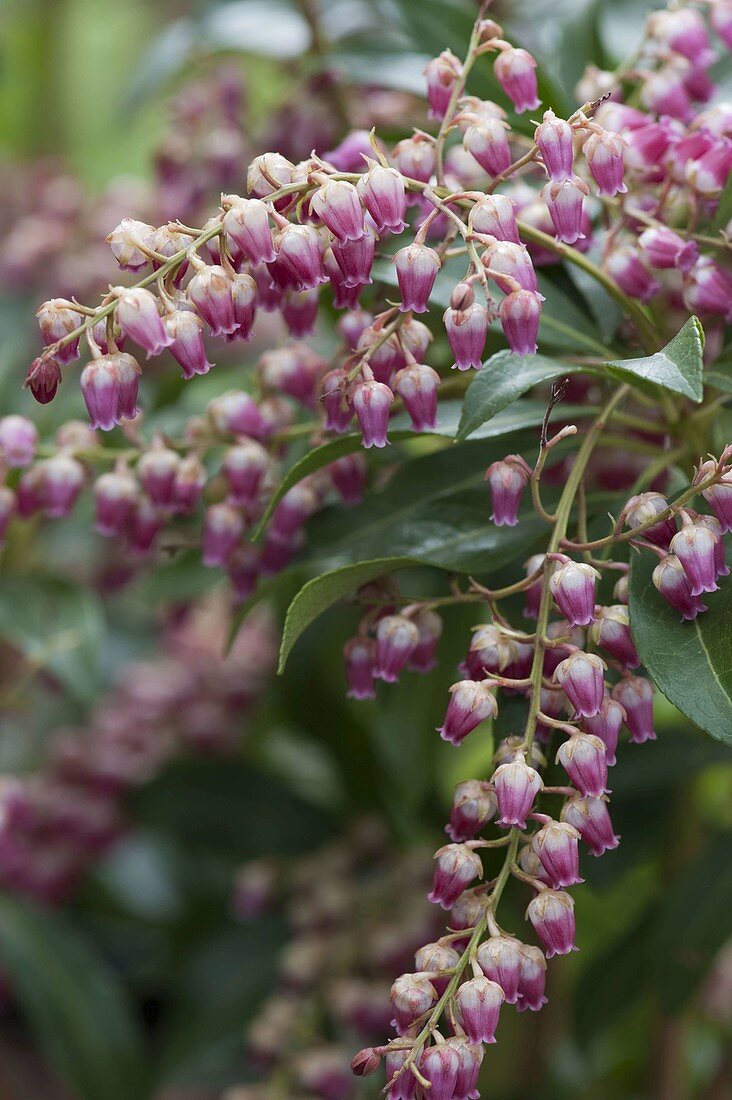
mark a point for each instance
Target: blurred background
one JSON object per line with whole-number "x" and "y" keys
{"x": 198, "y": 858}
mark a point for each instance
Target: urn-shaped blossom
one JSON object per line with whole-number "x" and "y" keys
{"x": 396, "y": 640}
{"x": 479, "y": 1002}
{"x": 591, "y": 818}
{"x": 533, "y": 979}
{"x": 411, "y": 996}
{"x": 109, "y": 385}
{"x": 383, "y": 194}
{"x": 18, "y": 441}
{"x": 641, "y": 509}
{"x": 520, "y": 313}
{"x": 417, "y": 386}
{"x": 210, "y": 292}
{"x": 185, "y": 329}
{"x": 515, "y": 71}
{"x": 572, "y": 585}
{"x": 606, "y": 725}
{"x": 440, "y": 1065}
{"x": 495, "y": 215}
{"x": 507, "y": 479}
{"x": 551, "y": 913}
{"x": 222, "y": 528}
{"x": 115, "y": 495}
{"x": 338, "y": 206}
{"x": 516, "y": 785}
{"x": 437, "y": 959}
{"x": 695, "y": 547}
{"x": 457, "y": 866}
{"x": 581, "y": 677}
{"x": 604, "y": 155}
{"x": 635, "y": 695}
{"x": 429, "y": 625}
{"x": 565, "y": 203}
{"x": 473, "y": 806}
{"x": 416, "y": 269}
{"x": 56, "y": 320}
{"x": 471, "y": 702}
{"x": 139, "y": 319}
{"x": 499, "y": 957}
{"x": 556, "y": 845}
{"x": 583, "y": 758}
{"x": 372, "y": 401}
{"x": 466, "y": 324}
{"x": 247, "y": 226}
{"x": 359, "y": 655}
{"x": 611, "y": 631}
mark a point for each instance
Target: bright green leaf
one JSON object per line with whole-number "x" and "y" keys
{"x": 678, "y": 368}
{"x": 504, "y": 378}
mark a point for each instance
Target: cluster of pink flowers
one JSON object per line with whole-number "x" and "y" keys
{"x": 345, "y": 941}
{"x": 55, "y": 822}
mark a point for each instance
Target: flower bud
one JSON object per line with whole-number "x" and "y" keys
{"x": 606, "y": 725}
{"x": 471, "y": 702}
{"x": 440, "y": 1065}
{"x": 372, "y": 402}
{"x": 247, "y": 225}
{"x": 520, "y": 313}
{"x": 442, "y": 74}
{"x": 486, "y": 139}
{"x": 583, "y": 758}
{"x": 109, "y": 386}
{"x": 466, "y": 324}
{"x": 554, "y": 139}
{"x": 695, "y": 547}
{"x": 591, "y": 819}
{"x": 416, "y": 270}
{"x": 516, "y": 786}
{"x": 499, "y": 957}
{"x": 138, "y": 318}
{"x": 383, "y": 194}
{"x": 635, "y": 695}
{"x": 457, "y": 866}
{"x": 611, "y": 631}
{"x": 437, "y": 958}
{"x": 210, "y": 292}
{"x": 156, "y": 471}
{"x": 223, "y": 526}
{"x": 514, "y": 69}
{"x": 556, "y": 846}
{"x": 411, "y": 996}
{"x": 495, "y": 216}
{"x": 552, "y": 914}
{"x": 581, "y": 677}
{"x": 18, "y": 441}
{"x": 366, "y": 1062}
{"x": 396, "y": 640}
{"x": 533, "y": 979}
{"x": 507, "y": 479}
{"x": 130, "y": 243}
{"x": 565, "y": 202}
{"x": 473, "y": 806}
{"x": 479, "y": 1003}
{"x": 56, "y": 319}
{"x": 417, "y": 386}
{"x": 573, "y": 587}
{"x": 115, "y": 496}
{"x": 185, "y": 332}
{"x": 43, "y": 379}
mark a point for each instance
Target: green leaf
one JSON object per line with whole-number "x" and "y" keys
{"x": 73, "y": 1003}
{"x": 564, "y": 324}
{"x": 720, "y": 374}
{"x": 522, "y": 414}
{"x": 505, "y": 377}
{"x": 322, "y": 592}
{"x": 678, "y": 368}
{"x": 690, "y": 662}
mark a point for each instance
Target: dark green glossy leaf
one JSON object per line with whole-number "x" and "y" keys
{"x": 678, "y": 368}
{"x": 690, "y": 662}
{"x": 503, "y": 379}
{"x": 322, "y": 592}
{"x": 522, "y": 414}
{"x": 73, "y": 1003}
